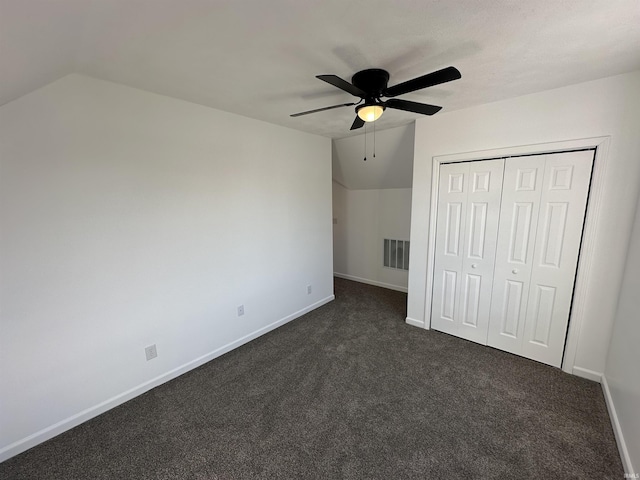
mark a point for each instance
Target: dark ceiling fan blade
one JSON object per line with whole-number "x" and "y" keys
{"x": 322, "y": 109}
{"x": 357, "y": 123}
{"x": 429, "y": 80}
{"x": 342, "y": 84}
{"x": 414, "y": 107}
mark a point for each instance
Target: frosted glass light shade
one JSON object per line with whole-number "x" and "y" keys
{"x": 370, "y": 113}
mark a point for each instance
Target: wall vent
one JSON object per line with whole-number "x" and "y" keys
{"x": 396, "y": 254}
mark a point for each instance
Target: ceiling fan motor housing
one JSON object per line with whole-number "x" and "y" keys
{"x": 372, "y": 81}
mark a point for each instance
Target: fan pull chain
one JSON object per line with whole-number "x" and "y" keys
{"x": 374, "y": 139}
{"x": 365, "y": 142}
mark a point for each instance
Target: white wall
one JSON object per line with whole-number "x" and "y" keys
{"x": 606, "y": 107}
{"x": 623, "y": 362}
{"x": 364, "y": 219}
{"x": 129, "y": 219}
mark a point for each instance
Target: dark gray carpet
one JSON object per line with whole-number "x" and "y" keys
{"x": 347, "y": 391}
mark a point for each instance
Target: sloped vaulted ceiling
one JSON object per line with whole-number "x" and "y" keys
{"x": 259, "y": 59}
{"x": 392, "y": 167}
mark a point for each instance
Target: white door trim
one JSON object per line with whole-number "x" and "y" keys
{"x": 601, "y": 144}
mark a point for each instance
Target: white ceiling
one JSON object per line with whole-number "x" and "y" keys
{"x": 392, "y": 167}
{"x": 259, "y": 58}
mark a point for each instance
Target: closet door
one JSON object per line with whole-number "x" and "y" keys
{"x": 451, "y": 219}
{"x": 542, "y": 214}
{"x": 565, "y": 189}
{"x": 466, "y": 232}
{"x": 521, "y": 192}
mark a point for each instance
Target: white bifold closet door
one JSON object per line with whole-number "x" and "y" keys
{"x": 467, "y": 228}
{"x": 533, "y": 249}
{"x": 544, "y": 198}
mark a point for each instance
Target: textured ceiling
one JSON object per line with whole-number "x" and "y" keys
{"x": 259, "y": 58}
{"x": 392, "y": 166}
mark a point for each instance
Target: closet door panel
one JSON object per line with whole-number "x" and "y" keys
{"x": 521, "y": 192}
{"x": 481, "y": 230}
{"x": 561, "y": 218}
{"x": 450, "y": 227}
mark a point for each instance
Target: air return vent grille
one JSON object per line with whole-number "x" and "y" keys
{"x": 396, "y": 254}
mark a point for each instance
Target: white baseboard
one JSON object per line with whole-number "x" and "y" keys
{"x": 617, "y": 430}
{"x": 91, "y": 412}
{"x": 371, "y": 282}
{"x": 588, "y": 374}
{"x": 414, "y": 322}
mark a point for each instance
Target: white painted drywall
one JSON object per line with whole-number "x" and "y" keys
{"x": 130, "y": 219}
{"x": 606, "y": 107}
{"x": 392, "y": 166}
{"x": 364, "y": 219}
{"x": 623, "y": 362}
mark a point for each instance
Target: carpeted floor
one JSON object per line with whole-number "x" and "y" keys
{"x": 347, "y": 391}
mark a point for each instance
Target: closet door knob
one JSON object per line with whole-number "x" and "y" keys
{"x": 515, "y": 270}
{"x": 474, "y": 265}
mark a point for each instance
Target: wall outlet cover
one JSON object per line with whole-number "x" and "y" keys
{"x": 151, "y": 352}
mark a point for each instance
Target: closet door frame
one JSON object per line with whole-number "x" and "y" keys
{"x": 587, "y": 249}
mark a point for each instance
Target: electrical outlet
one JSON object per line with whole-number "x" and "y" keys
{"x": 151, "y": 352}
{"x": 241, "y": 310}
{"x": 309, "y": 289}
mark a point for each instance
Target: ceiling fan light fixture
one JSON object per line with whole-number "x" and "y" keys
{"x": 370, "y": 113}
{"x": 371, "y": 85}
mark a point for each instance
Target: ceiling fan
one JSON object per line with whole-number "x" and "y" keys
{"x": 371, "y": 85}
